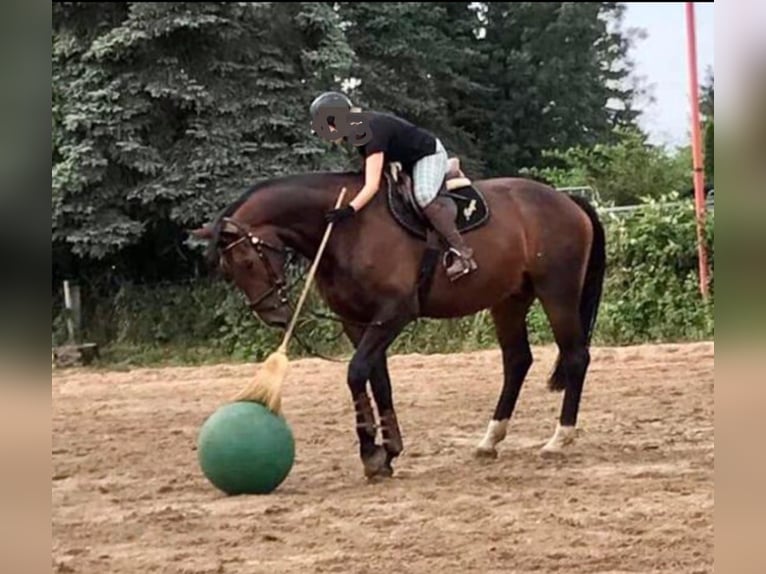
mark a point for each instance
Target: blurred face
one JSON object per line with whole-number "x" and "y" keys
{"x": 329, "y": 124}
{"x": 333, "y": 130}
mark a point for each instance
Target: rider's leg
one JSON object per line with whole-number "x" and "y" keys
{"x": 428, "y": 178}
{"x": 442, "y": 213}
{"x": 453, "y": 168}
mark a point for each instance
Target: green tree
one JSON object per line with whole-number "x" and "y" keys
{"x": 557, "y": 73}
{"x": 163, "y": 112}
{"x": 414, "y": 60}
{"x": 707, "y": 110}
{"x": 500, "y": 82}
{"x": 624, "y": 172}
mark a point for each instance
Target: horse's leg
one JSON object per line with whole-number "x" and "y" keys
{"x": 561, "y": 305}
{"x": 369, "y": 363}
{"x": 380, "y": 381}
{"x": 510, "y": 318}
{"x": 366, "y": 428}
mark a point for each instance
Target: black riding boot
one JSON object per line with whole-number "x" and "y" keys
{"x": 442, "y": 213}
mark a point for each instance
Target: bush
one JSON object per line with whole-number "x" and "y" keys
{"x": 652, "y": 287}
{"x": 621, "y": 173}
{"x": 651, "y": 294}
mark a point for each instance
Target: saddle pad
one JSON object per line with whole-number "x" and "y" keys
{"x": 472, "y": 210}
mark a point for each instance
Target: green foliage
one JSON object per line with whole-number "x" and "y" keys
{"x": 707, "y": 96}
{"x": 554, "y": 71}
{"x": 653, "y": 268}
{"x": 623, "y": 172}
{"x": 709, "y": 147}
{"x": 163, "y": 112}
{"x": 417, "y": 59}
{"x": 707, "y": 109}
{"x": 500, "y": 82}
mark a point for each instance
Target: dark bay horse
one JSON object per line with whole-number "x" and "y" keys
{"x": 538, "y": 243}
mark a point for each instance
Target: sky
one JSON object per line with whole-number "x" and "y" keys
{"x": 661, "y": 60}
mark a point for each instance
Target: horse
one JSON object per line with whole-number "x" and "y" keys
{"x": 537, "y": 244}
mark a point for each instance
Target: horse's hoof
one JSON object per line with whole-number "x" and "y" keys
{"x": 554, "y": 449}
{"x": 377, "y": 464}
{"x": 559, "y": 442}
{"x": 386, "y": 471}
{"x": 485, "y": 453}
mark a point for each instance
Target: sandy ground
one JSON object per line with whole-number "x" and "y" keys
{"x": 635, "y": 494}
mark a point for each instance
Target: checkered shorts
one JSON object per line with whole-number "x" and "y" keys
{"x": 428, "y": 175}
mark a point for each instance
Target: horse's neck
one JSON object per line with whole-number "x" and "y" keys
{"x": 298, "y": 214}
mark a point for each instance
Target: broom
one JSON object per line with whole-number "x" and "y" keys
{"x": 266, "y": 387}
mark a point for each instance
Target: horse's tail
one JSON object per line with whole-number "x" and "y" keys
{"x": 590, "y": 298}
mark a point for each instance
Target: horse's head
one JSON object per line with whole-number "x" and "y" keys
{"x": 254, "y": 260}
{"x": 249, "y": 239}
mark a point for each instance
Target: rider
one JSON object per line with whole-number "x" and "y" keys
{"x": 380, "y": 138}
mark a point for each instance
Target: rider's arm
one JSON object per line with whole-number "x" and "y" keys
{"x": 373, "y": 169}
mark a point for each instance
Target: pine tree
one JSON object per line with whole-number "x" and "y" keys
{"x": 412, "y": 60}
{"x": 164, "y": 112}
{"x": 554, "y": 70}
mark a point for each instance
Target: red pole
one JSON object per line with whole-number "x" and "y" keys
{"x": 699, "y": 174}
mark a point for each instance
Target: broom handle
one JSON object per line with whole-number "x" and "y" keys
{"x": 310, "y": 279}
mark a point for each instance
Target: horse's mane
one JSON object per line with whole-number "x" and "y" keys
{"x": 303, "y": 180}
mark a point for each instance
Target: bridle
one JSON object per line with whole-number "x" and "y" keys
{"x": 276, "y": 284}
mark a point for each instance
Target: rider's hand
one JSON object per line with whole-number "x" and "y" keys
{"x": 336, "y": 215}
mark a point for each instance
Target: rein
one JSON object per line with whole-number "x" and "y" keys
{"x": 277, "y": 284}
{"x": 313, "y": 352}
{"x": 282, "y": 288}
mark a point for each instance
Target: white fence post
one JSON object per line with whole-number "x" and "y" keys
{"x": 73, "y": 307}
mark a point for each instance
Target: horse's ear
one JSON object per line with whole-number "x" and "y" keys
{"x": 202, "y": 233}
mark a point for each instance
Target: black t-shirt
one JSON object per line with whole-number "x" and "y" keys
{"x": 398, "y": 139}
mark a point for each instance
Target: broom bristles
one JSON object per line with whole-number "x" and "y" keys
{"x": 266, "y": 387}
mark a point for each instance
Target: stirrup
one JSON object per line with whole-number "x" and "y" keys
{"x": 468, "y": 264}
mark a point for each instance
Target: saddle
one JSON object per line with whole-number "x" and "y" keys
{"x": 472, "y": 208}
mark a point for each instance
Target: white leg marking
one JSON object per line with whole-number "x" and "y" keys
{"x": 562, "y": 437}
{"x": 495, "y": 433}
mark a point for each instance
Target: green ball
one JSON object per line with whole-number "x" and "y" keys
{"x": 244, "y": 448}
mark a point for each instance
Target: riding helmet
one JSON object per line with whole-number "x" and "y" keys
{"x": 332, "y": 100}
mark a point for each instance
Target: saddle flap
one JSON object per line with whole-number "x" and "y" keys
{"x": 472, "y": 208}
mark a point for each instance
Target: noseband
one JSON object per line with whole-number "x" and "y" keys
{"x": 276, "y": 285}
